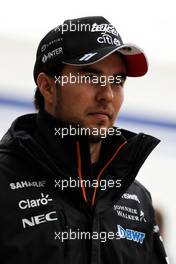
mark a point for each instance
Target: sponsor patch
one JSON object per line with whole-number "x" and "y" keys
{"x": 52, "y": 54}
{"x": 130, "y": 196}
{"x": 130, "y": 234}
{"x": 30, "y": 203}
{"x": 26, "y": 184}
{"x": 129, "y": 213}
{"x": 39, "y": 219}
{"x": 108, "y": 39}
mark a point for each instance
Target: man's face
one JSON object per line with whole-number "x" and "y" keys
{"x": 88, "y": 103}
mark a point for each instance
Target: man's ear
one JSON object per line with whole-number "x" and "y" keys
{"x": 46, "y": 86}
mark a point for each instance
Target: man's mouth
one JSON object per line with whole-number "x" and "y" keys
{"x": 102, "y": 114}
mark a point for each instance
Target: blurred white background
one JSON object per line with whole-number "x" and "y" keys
{"x": 150, "y": 104}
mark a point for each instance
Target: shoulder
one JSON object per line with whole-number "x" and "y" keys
{"x": 140, "y": 187}
{"x": 138, "y": 197}
{"x": 140, "y": 194}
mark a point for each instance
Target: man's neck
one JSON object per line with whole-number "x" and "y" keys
{"x": 95, "y": 151}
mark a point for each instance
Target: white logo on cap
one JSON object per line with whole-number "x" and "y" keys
{"x": 87, "y": 56}
{"x": 44, "y": 46}
{"x": 107, "y": 28}
{"x": 107, "y": 39}
{"x": 51, "y": 54}
{"x": 44, "y": 59}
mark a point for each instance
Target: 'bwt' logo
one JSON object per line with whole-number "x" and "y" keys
{"x": 130, "y": 234}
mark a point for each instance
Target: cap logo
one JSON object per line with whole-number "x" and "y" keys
{"x": 107, "y": 28}
{"x": 107, "y": 39}
{"x": 45, "y": 46}
{"x": 51, "y": 54}
{"x": 87, "y": 56}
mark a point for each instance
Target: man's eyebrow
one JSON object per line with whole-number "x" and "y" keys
{"x": 121, "y": 74}
{"x": 90, "y": 69}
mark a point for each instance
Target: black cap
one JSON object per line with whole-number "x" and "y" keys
{"x": 84, "y": 41}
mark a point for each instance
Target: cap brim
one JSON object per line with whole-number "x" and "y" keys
{"x": 136, "y": 60}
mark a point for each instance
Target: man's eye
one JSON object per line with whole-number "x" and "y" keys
{"x": 91, "y": 78}
{"x": 119, "y": 80}
{"x": 89, "y": 75}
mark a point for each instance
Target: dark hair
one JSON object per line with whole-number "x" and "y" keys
{"x": 38, "y": 97}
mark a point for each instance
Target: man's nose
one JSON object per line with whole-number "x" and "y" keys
{"x": 105, "y": 93}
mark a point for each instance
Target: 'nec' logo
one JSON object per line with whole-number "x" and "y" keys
{"x": 39, "y": 219}
{"x": 87, "y": 56}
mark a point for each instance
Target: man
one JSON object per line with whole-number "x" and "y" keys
{"x": 68, "y": 189}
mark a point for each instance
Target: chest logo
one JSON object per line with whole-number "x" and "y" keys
{"x": 130, "y": 234}
{"x": 129, "y": 213}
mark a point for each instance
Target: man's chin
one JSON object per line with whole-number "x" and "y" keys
{"x": 94, "y": 133}
{"x": 94, "y": 139}
{"x": 97, "y": 134}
